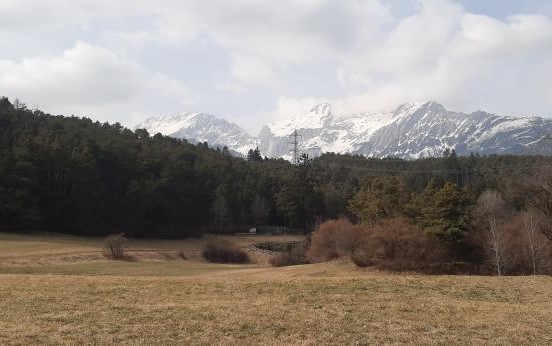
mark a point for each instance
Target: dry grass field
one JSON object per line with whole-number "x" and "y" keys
{"x": 61, "y": 290}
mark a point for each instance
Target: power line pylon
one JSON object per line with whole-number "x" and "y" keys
{"x": 295, "y": 147}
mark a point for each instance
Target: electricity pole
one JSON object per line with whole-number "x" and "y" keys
{"x": 295, "y": 148}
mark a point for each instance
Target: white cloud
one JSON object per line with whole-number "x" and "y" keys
{"x": 464, "y": 60}
{"x": 440, "y": 52}
{"x": 291, "y": 107}
{"x": 262, "y": 38}
{"x": 90, "y": 80}
{"x": 170, "y": 28}
{"x": 252, "y": 70}
{"x": 376, "y": 60}
{"x": 284, "y": 31}
{"x": 229, "y": 88}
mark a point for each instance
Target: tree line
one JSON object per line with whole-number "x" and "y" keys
{"x": 74, "y": 175}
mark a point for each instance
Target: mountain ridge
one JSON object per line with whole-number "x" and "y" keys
{"x": 201, "y": 127}
{"x": 411, "y": 131}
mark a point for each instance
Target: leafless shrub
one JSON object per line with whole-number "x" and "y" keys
{"x": 331, "y": 240}
{"x": 113, "y": 246}
{"x": 396, "y": 244}
{"x": 294, "y": 254}
{"x": 362, "y": 259}
{"x": 392, "y": 244}
{"x": 285, "y": 259}
{"x": 182, "y": 255}
{"x": 223, "y": 252}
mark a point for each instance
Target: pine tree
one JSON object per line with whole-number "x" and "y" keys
{"x": 447, "y": 216}
{"x": 254, "y": 155}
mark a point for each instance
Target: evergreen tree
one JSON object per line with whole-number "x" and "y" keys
{"x": 382, "y": 197}
{"x": 447, "y": 214}
{"x": 254, "y": 155}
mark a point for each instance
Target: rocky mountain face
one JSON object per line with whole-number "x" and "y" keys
{"x": 411, "y": 131}
{"x": 201, "y": 127}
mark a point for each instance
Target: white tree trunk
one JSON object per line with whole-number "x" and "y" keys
{"x": 489, "y": 207}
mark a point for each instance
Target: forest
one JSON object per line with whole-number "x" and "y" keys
{"x": 78, "y": 176}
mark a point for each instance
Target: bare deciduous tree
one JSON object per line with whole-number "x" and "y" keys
{"x": 531, "y": 231}
{"x": 542, "y": 198}
{"x": 490, "y": 206}
{"x": 113, "y": 246}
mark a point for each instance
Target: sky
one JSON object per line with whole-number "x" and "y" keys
{"x": 253, "y": 61}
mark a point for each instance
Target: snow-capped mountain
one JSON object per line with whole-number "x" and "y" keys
{"x": 321, "y": 131}
{"x": 411, "y": 131}
{"x": 423, "y": 130}
{"x": 200, "y": 127}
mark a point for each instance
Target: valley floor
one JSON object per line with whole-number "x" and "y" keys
{"x": 61, "y": 290}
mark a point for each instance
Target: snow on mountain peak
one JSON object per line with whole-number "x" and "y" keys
{"x": 201, "y": 127}
{"x": 433, "y": 106}
{"x": 429, "y": 106}
{"x": 318, "y": 117}
{"x": 412, "y": 130}
{"x": 322, "y": 109}
{"x": 167, "y": 125}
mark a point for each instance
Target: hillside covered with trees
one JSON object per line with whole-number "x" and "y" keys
{"x": 74, "y": 175}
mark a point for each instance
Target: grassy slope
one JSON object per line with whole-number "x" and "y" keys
{"x": 189, "y": 302}
{"x": 61, "y": 254}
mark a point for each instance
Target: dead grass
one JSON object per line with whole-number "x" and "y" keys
{"x": 188, "y": 302}
{"x": 42, "y": 249}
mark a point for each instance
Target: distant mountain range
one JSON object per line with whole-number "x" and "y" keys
{"x": 411, "y": 131}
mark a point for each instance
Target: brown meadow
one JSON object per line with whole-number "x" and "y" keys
{"x": 62, "y": 298}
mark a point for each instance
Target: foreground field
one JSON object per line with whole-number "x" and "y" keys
{"x": 200, "y": 303}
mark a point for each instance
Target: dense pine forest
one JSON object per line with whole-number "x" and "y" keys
{"x": 74, "y": 175}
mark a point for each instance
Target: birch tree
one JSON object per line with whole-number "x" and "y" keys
{"x": 490, "y": 206}
{"x": 530, "y": 231}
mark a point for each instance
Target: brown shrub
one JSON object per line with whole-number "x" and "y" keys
{"x": 392, "y": 244}
{"x": 224, "y": 252}
{"x": 333, "y": 239}
{"x": 396, "y": 244}
{"x": 295, "y": 254}
{"x": 285, "y": 259}
{"x": 113, "y": 246}
{"x": 362, "y": 259}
